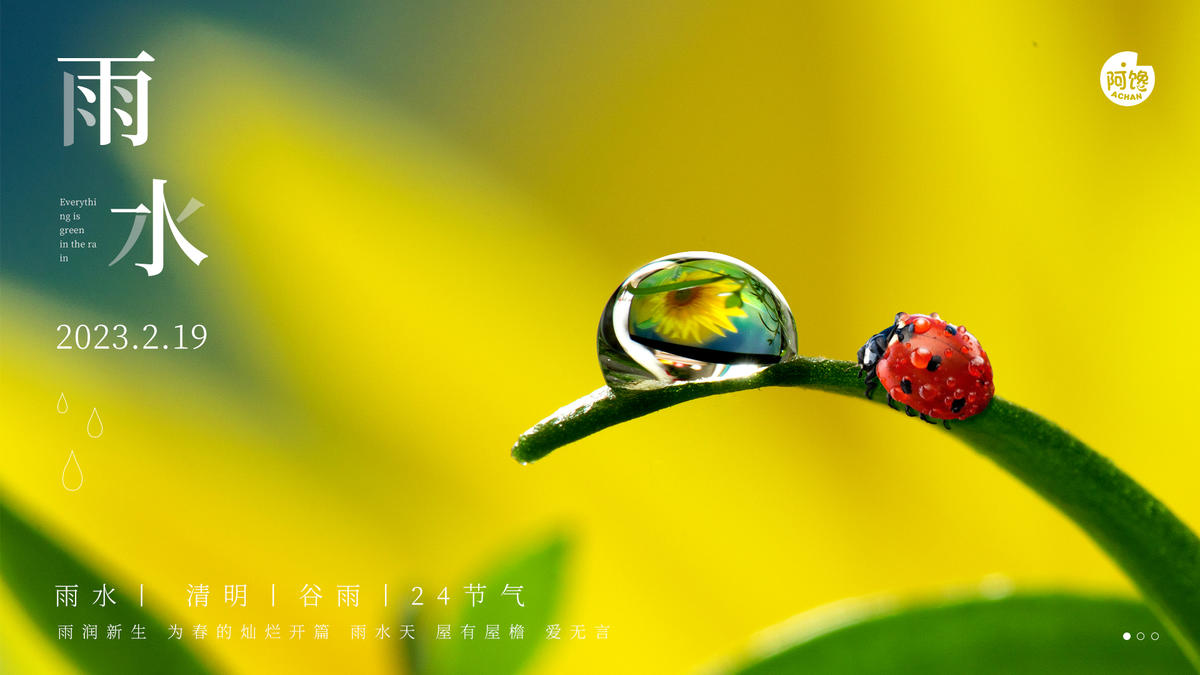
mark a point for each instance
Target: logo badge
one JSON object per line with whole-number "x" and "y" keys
{"x": 1124, "y": 82}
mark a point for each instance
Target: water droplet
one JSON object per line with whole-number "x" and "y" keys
{"x": 958, "y": 393}
{"x": 62, "y": 404}
{"x": 921, "y": 325}
{"x": 72, "y": 475}
{"x": 951, "y": 381}
{"x": 948, "y": 352}
{"x": 948, "y": 401}
{"x": 934, "y": 315}
{"x": 94, "y": 426}
{"x": 927, "y": 392}
{"x": 690, "y": 316}
{"x": 920, "y": 358}
{"x": 963, "y": 329}
{"x": 976, "y": 366}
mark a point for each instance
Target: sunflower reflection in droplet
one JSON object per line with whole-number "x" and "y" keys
{"x": 693, "y": 316}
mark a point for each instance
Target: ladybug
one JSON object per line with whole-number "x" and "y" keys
{"x": 935, "y": 369}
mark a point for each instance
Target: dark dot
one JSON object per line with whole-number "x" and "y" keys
{"x": 951, "y": 329}
{"x": 906, "y": 385}
{"x": 958, "y": 405}
{"x": 934, "y": 362}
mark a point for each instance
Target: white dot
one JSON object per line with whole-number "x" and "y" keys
{"x": 1126, "y": 636}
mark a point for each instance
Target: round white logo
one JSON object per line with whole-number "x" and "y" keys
{"x": 1124, "y": 82}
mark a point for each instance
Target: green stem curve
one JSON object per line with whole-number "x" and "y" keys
{"x": 1158, "y": 552}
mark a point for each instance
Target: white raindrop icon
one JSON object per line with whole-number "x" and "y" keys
{"x": 94, "y": 426}
{"x": 72, "y": 474}
{"x": 62, "y": 404}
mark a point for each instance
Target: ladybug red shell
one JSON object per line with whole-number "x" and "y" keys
{"x": 935, "y": 369}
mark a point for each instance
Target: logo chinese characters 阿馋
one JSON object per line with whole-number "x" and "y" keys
{"x": 99, "y": 99}
{"x": 161, "y": 220}
{"x": 1124, "y": 82}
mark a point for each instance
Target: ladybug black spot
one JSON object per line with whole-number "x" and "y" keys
{"x": 934, "y": 362}
{"x": 951, "y": 329}
{"x": 906, "y": 386}
{"x": 958, "y": 404}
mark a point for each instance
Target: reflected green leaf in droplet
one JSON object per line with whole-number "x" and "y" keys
{"x": 1026, "y": 633}
{"x": 676, "y": 286}
{"x": 1154, "y": 548}
{"x": 31, "y": 567}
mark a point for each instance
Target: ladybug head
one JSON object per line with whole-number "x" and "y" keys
{"x": 870, "y": 353}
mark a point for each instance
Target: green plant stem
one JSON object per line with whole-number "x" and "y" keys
{"x": 1158, "y": 552}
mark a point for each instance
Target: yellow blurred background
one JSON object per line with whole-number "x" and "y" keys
{"x": 411, "y": 246}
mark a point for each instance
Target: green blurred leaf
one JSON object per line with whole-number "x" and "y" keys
{"x": 539, "y": 570}
{"x": 1044, "y": 633}
{"x": 1158, "y": 552}
{"x": 32, "y": 565}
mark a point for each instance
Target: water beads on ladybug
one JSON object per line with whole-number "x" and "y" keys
{"x": 934, "y": 369}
